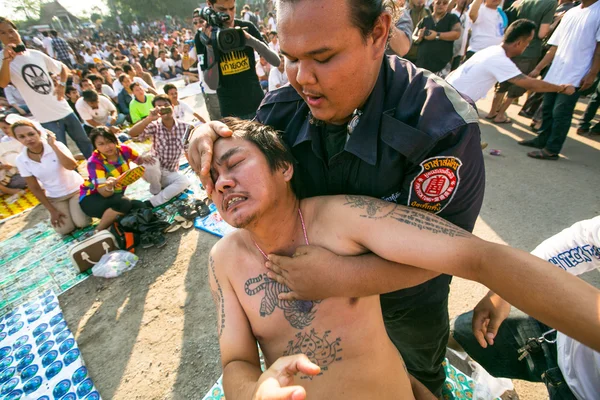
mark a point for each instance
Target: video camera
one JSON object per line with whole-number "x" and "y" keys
{"x": 225, "y": 39}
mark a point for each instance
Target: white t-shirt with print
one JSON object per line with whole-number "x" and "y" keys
{"x": 576, "y": 38}
{"x": 487, "y": 30}
{"x": 30, "y": 73}
{"x": 100, "y": 114}
{"x": 56, "y": 180}
{"x": 481, "y": 72}
{"x": 576, "y": 250}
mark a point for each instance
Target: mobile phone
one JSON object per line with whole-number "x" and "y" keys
{"x": 427, "y": 32}
{"x": 166, "y": 110}
{"x": 186, "y": 136}
{"x": 20, "y": 48}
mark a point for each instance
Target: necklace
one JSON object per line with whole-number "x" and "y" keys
{"x": 33, "y": 152}
{"x": 305, "y": 306}
{"x": 303, "y": 231}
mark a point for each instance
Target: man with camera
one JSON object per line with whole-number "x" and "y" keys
{"x": 225, "y": 49}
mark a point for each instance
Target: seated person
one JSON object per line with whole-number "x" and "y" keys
{"x": 263, "y": 69}
{"x": 344, "y": 338}
{"x": 129, "y": 71}
{"x": 145, "y": 76}
{"x": 492, "y": 334}
{"x": 97, "y": 111}
{"x": 165, "y": 66}
{"x": 15, "y": 99}
{"x": 11, "y": 182}
{"x": 100, "y": 195}
{"x": 102, "y": 88}
{"x": 72, "y": 95}
{"x": 189, "y": 67}
{"x": 181, "y": 111}
{"x": 141, "y": 104}
{"x": 50, "y": 164}
{"x": 125, "y": 95}
{"x": 167, "y": 134}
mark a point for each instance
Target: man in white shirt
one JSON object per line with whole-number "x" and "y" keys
{"x": 277, "y": 76}
{"x": 15, "y": 99}
{"x": 263, "y": 69}
{"x": 165, "y": 66}
{"x": 47, "y": 42}
{"x": 575, "y": 58}
{"x": 103, "y": 88}
{"x": 274, "y": 43}
{"x": 487, "y": 25}
{"x": 30, "y": 72}
{"x": 481, "y": 72}
{"x": 181, "y": 110}
{"x": 130, "y": 71}
{"x": 98, "y": 111}
{"x": 491, "y": 336}
{"x": 271, "y": 23}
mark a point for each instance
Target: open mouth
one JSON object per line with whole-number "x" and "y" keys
{"x": 231, "y": 202}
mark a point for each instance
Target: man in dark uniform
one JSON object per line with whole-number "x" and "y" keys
{"x": 361, "y": 123}
{"x": 232, "y": 74}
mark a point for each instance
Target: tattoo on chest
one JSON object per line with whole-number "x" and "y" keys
{"x": 318, "y": 348}
{"x": 298, "y": 313}
{"x": 217, "y": 296}
{"x": 379, "y": 209}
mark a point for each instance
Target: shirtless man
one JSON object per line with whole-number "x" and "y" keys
{"x": 351, "y": 356}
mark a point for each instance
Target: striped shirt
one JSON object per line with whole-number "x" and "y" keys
{"x": 167, "y": 145}
{"x": 100, "y": 169}
{"x": 61, "y": 48}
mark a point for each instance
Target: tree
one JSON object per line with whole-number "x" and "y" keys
{"x": 29, "y": 8}
{"x": 154, "y": 9}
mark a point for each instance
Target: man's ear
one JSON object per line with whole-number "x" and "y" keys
{"x": 288, "y": 172}
{"x": 380, "y": 34}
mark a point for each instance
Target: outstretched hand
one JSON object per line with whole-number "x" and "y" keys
{"x": 310, "y": 274}
{"x": 274, "y": 383}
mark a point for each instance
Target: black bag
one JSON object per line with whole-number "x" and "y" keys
{"x": 141, "y": 221}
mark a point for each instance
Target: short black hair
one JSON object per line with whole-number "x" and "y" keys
{"x": 54, "y": 33}
{"x": 102, "y": 131}
{"x": 94, "y": 77}
{"x": 91, "y": 65}
{"x": 89, "y": 95}
{"x": 168, "y": 87}
{"x": 102, "y": 69}
{"x": 162, "y": 52}
{"x": 127, "y": 68}
{"x": 519, "y": 29}
{"x": 160, "y": 97}
{"x": 45, "y": 34}
{"x": 8, "y": 21}
{"x": 118, "y": 69}
{"x": 122, "y": 77}
{"x": 69, "y": 89}
{"x": 134, "y": 84}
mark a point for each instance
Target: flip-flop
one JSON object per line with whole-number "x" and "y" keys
{"x": 187, "y": 212}
{"x": 187, "y": 224}
{"x": 179, "y": 218}
{"x": 201, "y": 208}
{"x": 506, "y": 121}
{"x": 542, "y": 155}
{"x": 488, "y": 116}
{"x": 174, "y": 227}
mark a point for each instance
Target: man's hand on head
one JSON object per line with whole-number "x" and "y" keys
{"x": 201, "y": 150}
{"x": 311, "y": 274}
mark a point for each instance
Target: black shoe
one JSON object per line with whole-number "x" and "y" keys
{"x": 531, "y": 143}
{"x": 147, "y": 241}
{"x": 158, "y": 240}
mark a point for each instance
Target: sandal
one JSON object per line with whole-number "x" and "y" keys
{"x": 505, "y": 121}
{"x": 187, "y": 212}
{"x": 542, "y": 155}
{"x": 187, "y": 224}
{"x": 201, "y": 208}
{"x": 492, "y": 117}
{"x": 174, "y": 227}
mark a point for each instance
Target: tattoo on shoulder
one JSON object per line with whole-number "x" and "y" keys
{"x": 318, "y": 348}
{"x": 217, "y": 296}
{"x": 380, "y": 209}
{"x": 299, "y": 313}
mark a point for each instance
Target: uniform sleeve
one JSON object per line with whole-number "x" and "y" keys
{"x": 450, "y": 181}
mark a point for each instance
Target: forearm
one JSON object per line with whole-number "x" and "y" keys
{"x": 547, "y": 59}
{"x": 553, "y": 294}
{"x": 64, "y": 74}
{"x": 369, "y": 275}
{"x": 449, "y": 36}
{"x": 211, "y": 75}
{"x": 66, "y": 161}
{"x": 240, "y": 379}
{"x": 151, "y": 90}
{"x": 474, "y": 13}
{"x": 537, "y": 85}
{"x": 39, "y": 194}
{"x": 139, "y": 127}
{"x": 400, "y": 42}
{"x": 5, "y": 74}
{"x": 264, "y": 50}
{"x": 596, "y": 61}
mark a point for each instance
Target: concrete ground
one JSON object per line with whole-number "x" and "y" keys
{"x": 150, "y": 334}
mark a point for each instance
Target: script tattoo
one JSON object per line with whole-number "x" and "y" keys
{"x": 298, "y": 313}
{"x": 217, "y": 296}
{"x": 319, "y": 349}
{"x": 379, "y": 209}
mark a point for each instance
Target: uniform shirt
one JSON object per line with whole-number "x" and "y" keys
{"x": 167, "y": 145}
{"x": 30, "y": 73}
{"x": 577, "y": 251}
{"x": 100, "y": 169}
{"x": 56, "y": 180}
{"x": 576, "y": 38}
{"x": 239, "y": 90}
{"x": 426, "y": 154}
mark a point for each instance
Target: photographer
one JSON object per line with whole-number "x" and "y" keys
{"x": 231, "y": 73}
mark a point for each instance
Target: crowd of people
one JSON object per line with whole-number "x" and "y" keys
{"x": 325, "y": 77}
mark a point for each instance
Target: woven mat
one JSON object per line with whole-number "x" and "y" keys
{"x": 18, "y": 205}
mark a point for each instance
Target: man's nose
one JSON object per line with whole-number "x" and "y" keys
{"x": 224, "y": 182}
{"x": 305, "y": 75}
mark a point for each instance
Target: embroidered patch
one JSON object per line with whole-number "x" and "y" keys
{"x": 434, "y": 186}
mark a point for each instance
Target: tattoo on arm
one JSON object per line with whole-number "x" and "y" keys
{"x": 318, "y": 348}
{"x": 457, "y": 27}
{"x": 217, "y": 296}
{"x": 424, "y": 221}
